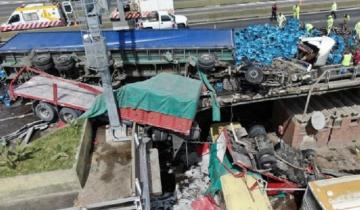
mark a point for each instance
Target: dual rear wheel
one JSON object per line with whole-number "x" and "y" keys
{"x": 49, "y": 113}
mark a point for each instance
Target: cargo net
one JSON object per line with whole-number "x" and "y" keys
{"x": 263, "y": 43}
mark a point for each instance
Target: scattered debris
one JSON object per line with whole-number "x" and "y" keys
{"x": 24, "y": 132}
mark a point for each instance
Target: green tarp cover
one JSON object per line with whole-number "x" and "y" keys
{"x": 165, "y": 93}
{"x": 217, "y": 169}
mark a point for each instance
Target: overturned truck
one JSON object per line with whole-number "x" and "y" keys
{"x": 140, "y": 54}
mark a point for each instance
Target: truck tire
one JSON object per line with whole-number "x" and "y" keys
{"x": 67, "y": 115}
{"x": 46, "y": 67}
{"x": 45, "y": 112}
{"x": 267, "y": 161}
{"x": 41, "y": 60}
{"x": 64, "y": 63}
{"x": 181, "y": 25}
{"x": 254, "y": 76}
{"x": 257, "y": 130}
{"x": 63, "y": 60}
{"x": 206, "y": 62}
{"x": 64, "y": 68}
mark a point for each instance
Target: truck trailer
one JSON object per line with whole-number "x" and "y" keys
{"x": 140, "y": 54}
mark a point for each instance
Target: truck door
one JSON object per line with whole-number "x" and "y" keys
{"x": 166, "y": 22}
{"x": 14, "y": 19}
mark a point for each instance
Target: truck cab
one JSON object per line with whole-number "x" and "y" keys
{"x": 157, "y": 20}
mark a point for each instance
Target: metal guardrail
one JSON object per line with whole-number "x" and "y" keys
{"x": 328, "y": 75}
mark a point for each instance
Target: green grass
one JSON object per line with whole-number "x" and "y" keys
{"x": 54, "y": 151}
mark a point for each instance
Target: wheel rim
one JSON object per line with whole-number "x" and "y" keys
{"x": 44, "y": 113}
{"x": 254, "y": 74}
{"x": 68, "y": 117}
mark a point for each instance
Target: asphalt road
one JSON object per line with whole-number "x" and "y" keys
{"x": 232, "y": 7}
{"x": 318, "y": 19}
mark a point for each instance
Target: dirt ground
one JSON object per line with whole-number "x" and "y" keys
{"x": 104, "y": 182}
{"x": 345, "y": 160}
{"x": 8, "y": 122}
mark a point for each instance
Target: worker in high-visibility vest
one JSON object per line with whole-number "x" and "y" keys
{"x": 281, "y": 20}
{"x": 357, "y": 29}
{"x": 334, "y": 9}
{"x": 296, "y": 11}
{"x": 347, "y": 59}
{"x": 330, "y": 24}
{"x": 309, "y": 27}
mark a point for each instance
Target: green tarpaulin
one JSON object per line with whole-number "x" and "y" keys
{"x": 165, "y": 93}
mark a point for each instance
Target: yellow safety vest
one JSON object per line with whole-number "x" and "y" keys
{"x": 334, "y": 7}
{"x": 347, "y": 60}
{"x": 308, "y": 27}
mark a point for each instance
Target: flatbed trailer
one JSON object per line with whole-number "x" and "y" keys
{"x": 53, "y": 96}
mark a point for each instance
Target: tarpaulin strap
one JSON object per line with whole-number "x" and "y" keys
{"x": 214, "y": 103}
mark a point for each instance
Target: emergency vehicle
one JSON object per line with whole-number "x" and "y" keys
{"x": 39, "y": 15}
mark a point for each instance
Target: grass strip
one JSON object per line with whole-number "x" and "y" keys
{"x": 55, "y": 151}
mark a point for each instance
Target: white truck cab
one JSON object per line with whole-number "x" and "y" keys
{"x": 162, "y": 20}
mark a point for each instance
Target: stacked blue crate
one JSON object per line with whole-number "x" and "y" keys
{"x": 263, "y": 43}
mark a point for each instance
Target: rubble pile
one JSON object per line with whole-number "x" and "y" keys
{"x": 194, "y": 185}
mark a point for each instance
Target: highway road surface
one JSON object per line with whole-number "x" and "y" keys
{"x": 318, "y": 19}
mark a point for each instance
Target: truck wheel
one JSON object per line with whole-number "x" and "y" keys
{"x": 63, "y": 60}
{"x": 41, "y": 60}
{"x": 181, "y": 25}
{"x": 45, "y": 112}
{"x": 267, "y": 161}
{"x": 67, "y": 115}
{"x": 64, "y": 68}
{"x": 64, "y": 63}
{"x": 45, "y": 67}
{"x": 257, "y": 130}
{"x": 207, "y": 62}
{"x": 254, "y": 75}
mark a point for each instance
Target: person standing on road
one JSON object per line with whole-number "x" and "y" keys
{"x": 281, "y": 20}
{"x": 330, "y": 24}
{"x": 357, "y": 29}
{"x": 309, "y": 28}
{"x": 346, "y": 22}
{"x": 334, "y": 9}
{"x": 274, "y": 12}
{"x": 347, "y": 59}
{"x": 296, "y": 11}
